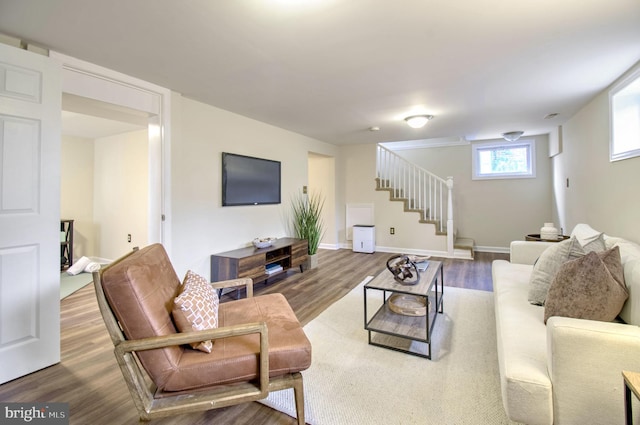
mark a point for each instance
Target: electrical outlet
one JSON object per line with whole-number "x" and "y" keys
{"x": 304, "y": 190}
{"x": 129, "y": 237}
{"x": 392, "y": 230}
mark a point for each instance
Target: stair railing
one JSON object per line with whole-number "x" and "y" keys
{"x": 425, "y": 192}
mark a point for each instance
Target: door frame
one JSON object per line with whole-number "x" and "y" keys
{"x": 95, "y": 82}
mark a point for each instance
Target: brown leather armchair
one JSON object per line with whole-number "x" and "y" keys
{"x": 259, "y": 345}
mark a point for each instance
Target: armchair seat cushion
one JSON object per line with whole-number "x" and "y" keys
{"x": 236, "y": 359}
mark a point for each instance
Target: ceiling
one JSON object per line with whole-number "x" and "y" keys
{"x": 331, "y": 69}
{"x": 93, "y": 119}
{"x": 92, "y": 127}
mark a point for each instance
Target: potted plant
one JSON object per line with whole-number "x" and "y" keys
{"x": 307, "y": 222}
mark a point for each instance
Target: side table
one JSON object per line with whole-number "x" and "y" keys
{"x": 631, "y": 384}
{"x": 536, "y": 237}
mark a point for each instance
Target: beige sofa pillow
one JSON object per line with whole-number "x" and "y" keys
{"x": 545, "y": 269}
{"x": 591, "y": 287}
{"x": 630, "y": 256}
{"x": 552, "y": 258}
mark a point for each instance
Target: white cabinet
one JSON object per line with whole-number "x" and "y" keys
{"x": 364, "y": 238}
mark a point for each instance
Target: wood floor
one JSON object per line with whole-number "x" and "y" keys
{"x": 89, "y": 379}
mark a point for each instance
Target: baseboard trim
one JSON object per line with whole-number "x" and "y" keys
{"x": 333, "y": 247}
{"x": 494, "y": 249}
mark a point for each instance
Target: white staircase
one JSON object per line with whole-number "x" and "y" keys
{"x": 424, "y": 193}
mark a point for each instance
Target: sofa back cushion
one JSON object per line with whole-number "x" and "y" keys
{"x": 140, "y": 290}
{"x": 630, "y": 256}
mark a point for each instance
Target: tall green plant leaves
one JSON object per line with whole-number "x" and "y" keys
{"x": 307, "y": 218}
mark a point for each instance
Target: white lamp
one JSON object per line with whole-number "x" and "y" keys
{"x": 418, "y": 121}
{"x": 512, "y": 136}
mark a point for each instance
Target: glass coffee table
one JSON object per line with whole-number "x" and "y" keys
{"x": 402, "y": 332}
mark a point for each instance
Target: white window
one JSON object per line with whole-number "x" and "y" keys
{"x": 624, "y": 107}
{"x": 504, "y": 160}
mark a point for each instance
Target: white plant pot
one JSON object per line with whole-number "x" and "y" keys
{"x": 312, "y": 262}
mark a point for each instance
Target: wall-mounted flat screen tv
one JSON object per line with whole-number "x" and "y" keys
{"x": 249, "y": 181}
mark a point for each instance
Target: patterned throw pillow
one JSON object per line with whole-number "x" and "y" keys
{"x": 196, "y": 308}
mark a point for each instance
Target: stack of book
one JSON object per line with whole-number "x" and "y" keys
{"x": 273, "y": 268}
{"x": 422, "y": 265}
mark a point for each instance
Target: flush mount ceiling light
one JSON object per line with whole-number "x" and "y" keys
{"x": 418, "y": 121}
{"x": 512, "y": 136}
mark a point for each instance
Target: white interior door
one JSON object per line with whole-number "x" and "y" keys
{"x": 30, "y": 99}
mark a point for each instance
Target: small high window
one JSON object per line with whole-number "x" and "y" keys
{"x": 504, "y": 160}
{"x": 624, "y": 107}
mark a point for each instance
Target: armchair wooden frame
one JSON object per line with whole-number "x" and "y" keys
{"x": 154, "y": 403}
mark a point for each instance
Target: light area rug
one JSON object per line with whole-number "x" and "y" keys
{"x": 70, "y": 284}
{"x": 352, "y": 382}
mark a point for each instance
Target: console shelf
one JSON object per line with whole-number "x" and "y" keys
{"x": 252, "y": 262}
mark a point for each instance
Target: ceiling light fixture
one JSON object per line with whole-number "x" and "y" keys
{"x": 512, "y": 136}
{"x": 418, "y": 121}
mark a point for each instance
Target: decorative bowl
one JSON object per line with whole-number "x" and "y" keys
{"x": 409, "y": 305}
{"x": 263, "y": 242}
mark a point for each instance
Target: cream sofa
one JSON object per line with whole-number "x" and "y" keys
{"x": 569, "y": 370}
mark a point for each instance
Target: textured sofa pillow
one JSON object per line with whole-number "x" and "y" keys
{"x": 630, "y": 256}
{"x": 552, "y": 258}
{"x": 591, "y": 287}
{"x": 585, "y": 233}
{"x": 593, "y": 244}
{"x": 196, "y": 308}
{"x": 545, "y": 269}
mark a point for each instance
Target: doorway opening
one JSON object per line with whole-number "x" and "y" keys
{"x": 321, "y": 178}
{"x": 104, "y": 177}
{"x": 144, "y": 110}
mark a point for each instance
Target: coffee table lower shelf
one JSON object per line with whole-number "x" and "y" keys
{"x": 406, "y": 333}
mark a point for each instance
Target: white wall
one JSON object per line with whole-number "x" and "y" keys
{"x": 601, "y": 193}
{"x": 121, "y": 188}
{"x": 358, "y": 172}
{"x": 200, "y": 225}
{"x": 498, "y": 211}
{"x": 492, "y": 212}
{"x": 76, "y": 192}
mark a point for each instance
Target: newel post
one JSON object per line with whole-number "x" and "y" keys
{"x": 450, "y": 228}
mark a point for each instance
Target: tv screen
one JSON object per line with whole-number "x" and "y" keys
{"x": 249, "y": 181}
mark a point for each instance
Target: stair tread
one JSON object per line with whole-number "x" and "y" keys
{"x": 464, "y": 243}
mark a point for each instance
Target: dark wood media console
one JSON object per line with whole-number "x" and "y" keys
{"x": 252, "y": 262}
